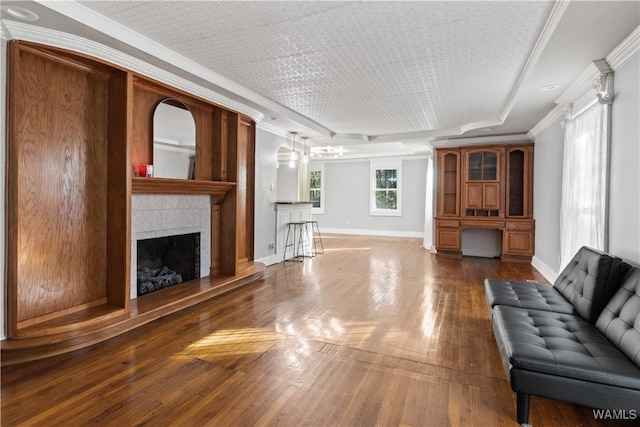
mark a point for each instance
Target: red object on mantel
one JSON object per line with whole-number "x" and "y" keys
{"x": 145, "y": 171}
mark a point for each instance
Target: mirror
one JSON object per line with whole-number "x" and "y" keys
{"x": 174, "y": 141}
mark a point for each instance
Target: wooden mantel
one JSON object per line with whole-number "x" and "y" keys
{"x": 180, "y": 186}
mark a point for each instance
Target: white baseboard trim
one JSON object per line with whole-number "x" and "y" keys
{"x": 270, "y": 260}
{"x": 544, "y": 269}
{"x": 364, "y": 232}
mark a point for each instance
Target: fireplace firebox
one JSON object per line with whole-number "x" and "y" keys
{"x": 167, "y": 261}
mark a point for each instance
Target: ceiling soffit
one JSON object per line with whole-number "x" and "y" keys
{"x": 380, "y": 69}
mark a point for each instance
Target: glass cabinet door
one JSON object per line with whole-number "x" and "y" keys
{"x": 449, "y": 193}
{"x": 516, "y": 172}
{"x": 474, "y": 166}
{"x": 482, "y": 166}
{"x": 489, "y": 166}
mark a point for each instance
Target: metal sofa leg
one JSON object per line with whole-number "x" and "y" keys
{"x": 522, "y": 408}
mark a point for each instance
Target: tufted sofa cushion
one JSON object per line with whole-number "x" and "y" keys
{"x": 561, "y": 345}
{"x": 620, "y": 319}
{"x": 584, "y": 287}
{"x": 536, "y": 296}
{"x": 589, "y": 280}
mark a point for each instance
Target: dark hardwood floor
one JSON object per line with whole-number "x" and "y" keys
{"x": 376, "y": 331}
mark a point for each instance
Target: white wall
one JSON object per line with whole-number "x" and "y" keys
{"x": 346, "y": 186}
{"x": 430, "y": 206}
{"x": 267, "y": 145}
{"x": 624, "y": 185}
{"x": 547, "y": 194}
{"x": 287, "y": 183}
{"x": 624, "y": 196}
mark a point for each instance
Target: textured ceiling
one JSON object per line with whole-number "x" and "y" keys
{"x": 372, "y": 68}
{"x": 371, "y": 76}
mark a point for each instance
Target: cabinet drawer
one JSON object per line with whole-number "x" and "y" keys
{"x": 517, "y": 242}
{"x": 448, "y": 223}
{"x": 519, "y": 226}
{"x": 448, "y": 239}
{"x": 482, "y": 224}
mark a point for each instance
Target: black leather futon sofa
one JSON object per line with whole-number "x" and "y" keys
{"x": 576, "y": 341}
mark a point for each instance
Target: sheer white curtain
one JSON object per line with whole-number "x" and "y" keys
{"x": 427, "y": 239}
{"x": 584, "y": 182}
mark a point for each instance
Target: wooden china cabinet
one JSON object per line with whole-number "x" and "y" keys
{"x": 487, "y": 187}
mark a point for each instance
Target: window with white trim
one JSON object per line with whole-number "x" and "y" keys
{"x": 386, "y": 187}
{"x": 316, "y": 187}
{"x": 584, "y": 183}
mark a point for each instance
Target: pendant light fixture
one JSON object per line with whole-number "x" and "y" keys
{"x": 305, "y": 156}
{"x": 293, "y": 157}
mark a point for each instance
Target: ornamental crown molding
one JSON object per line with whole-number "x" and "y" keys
{"x": 615, "y": 59}
{"x": 585, "y": 81}
{"x": 481, "y": 140}
{"x": 13, "y": 30}
{"x": 625, "y": 50}
{"x": 603, "y": 83}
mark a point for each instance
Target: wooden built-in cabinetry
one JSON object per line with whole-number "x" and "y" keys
{"x": 76, "y": 128}
{"x": 487, "y": 187}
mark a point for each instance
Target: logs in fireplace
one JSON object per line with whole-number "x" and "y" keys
{"x": 167, "y": 261}
{"x": 154, "y": 279}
